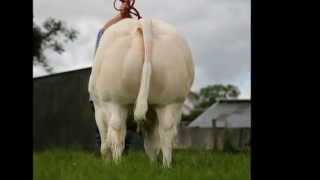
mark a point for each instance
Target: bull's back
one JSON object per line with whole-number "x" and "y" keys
{"x": 120, "y": 60}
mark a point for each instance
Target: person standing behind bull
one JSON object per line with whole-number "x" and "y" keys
{"x": 124, "y": 13}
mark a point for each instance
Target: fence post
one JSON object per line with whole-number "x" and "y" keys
{"x": 219, "y": 136}
{"x": 241, "y": 138}
{"x": 213, "y": 121}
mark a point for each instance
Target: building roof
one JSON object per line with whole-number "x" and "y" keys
{"x": 235, "y": 113}
{"x": 61, "y": 73}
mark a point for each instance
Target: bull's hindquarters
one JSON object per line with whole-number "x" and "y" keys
{"x": 122, "y": 76}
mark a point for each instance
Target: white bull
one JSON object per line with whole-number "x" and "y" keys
{"x": 145, "y": 64}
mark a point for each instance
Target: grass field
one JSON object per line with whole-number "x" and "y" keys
{"x": 188, "y": 165}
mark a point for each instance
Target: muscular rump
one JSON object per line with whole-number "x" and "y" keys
{"x": 119, "y": 73}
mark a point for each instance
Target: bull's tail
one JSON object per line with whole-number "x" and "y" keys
{"x": 141, "y": 106}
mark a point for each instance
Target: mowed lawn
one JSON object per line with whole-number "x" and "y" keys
{"x": 188, "y": 165}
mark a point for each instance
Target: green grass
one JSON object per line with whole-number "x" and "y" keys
{"x": 188, "y": 165}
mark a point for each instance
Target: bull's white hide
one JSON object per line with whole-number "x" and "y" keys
{"x": 132, "y": 60}
{"x": 119, "y": 61}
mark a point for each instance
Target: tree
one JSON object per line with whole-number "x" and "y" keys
{"x": 49, "y": 36}
{"x": 210, "y": 94}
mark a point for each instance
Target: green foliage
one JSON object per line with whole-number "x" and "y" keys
{"x": 210, "y": 94}
{"x": 187, "y": 164}
{"x": 49, "y": 36}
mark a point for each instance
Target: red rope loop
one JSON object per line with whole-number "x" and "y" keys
{"x": 130, "y": 10}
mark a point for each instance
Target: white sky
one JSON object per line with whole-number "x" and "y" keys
{"x": 218, "y": 32}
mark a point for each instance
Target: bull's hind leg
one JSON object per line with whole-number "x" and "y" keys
{"x": 152, "y": 143}
{"x": 115, "y": 139}
{"x": 101, "y": 120}
{"x": 169, "y": 117}
{"x": 151, "y": 136}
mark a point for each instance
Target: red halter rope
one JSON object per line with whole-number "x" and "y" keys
{"x": 128, "y": 10}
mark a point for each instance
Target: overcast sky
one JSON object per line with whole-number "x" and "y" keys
{"x": 218, "y": 33}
